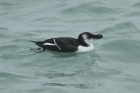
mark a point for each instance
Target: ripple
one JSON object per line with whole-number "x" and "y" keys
{"x": 80, "y": 86}
{"x": 4, "y": 28}
{"x": 3, "y": 31}
{"x": 54, "y": 75}
{"x": 120, "y": 47}
{"x": 10, "y": 76}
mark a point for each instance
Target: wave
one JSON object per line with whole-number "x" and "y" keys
{"x": 121, "y": 29}
{"x": 7, "y": 4}
{"x": 88, "y": 8}
{"x": 133, "y": 14}
{"x": 136, "y": 5}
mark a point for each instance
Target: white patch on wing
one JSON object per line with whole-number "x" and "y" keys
{"x": 49, "y": 44}
{"x": 84, "y": 49}
{"x": 56, "y": 44}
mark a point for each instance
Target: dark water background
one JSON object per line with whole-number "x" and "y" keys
{"x": 113, "y": 67}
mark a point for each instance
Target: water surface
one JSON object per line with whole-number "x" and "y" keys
{"x": 113, "y": 67}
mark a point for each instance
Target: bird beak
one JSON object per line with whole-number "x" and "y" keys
{"x": 99, "y": 36}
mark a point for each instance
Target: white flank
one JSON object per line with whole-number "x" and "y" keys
{"x": 84, "y": 49}
{"x": 49, "y": 44}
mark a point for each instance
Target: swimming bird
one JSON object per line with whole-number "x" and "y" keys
{"x": 83, "y": 43}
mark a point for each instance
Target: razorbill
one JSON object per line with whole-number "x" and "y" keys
{"x": 68, "y": 44}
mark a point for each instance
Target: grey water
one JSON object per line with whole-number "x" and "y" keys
{"x": 113, "y": 67}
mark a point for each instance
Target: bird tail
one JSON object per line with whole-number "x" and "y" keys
{"x": 39, "y": 43}
{"x": 32, "y": 41}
